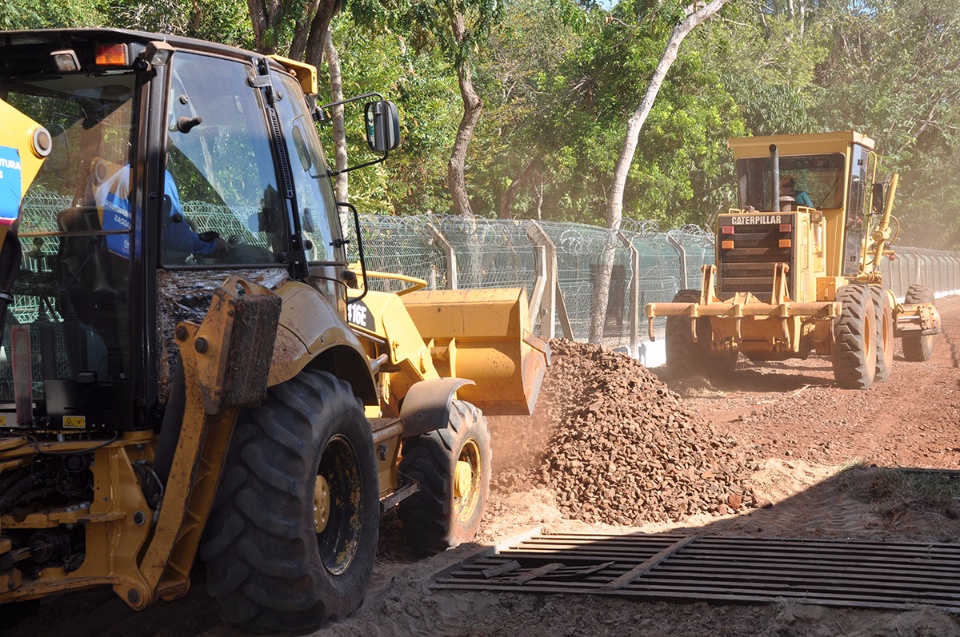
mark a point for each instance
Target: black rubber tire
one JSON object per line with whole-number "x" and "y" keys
{"x": 15, "y": 612}
{"x": 855, "y": 332}
{"x": 439, "y": 516}
{"x": 683, "y": 354}
{"x": 266, "y": 564}
{"x": 884, "y": 339}
{"x": 713, "y": 364}
{"x": 917, "y": 347}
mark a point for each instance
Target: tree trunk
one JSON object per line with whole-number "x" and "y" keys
{"x": 262, "y": 15}
{"x": 339, "y": 132}
{"x": 301, "y": 29}
{"x": 506, "y": 199}
{"x": 601, "y": 292}
{"x": 313, "y": 52}
{"x": 472, "y": 105}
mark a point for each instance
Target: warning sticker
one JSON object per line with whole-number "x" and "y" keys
{"x": 74, "y": 422}
{"x": 10, "y": 191}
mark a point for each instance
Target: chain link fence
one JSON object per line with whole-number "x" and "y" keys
{"x": 475, "y": 252}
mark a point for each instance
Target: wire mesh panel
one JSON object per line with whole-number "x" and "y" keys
{"x": 698, "y": 248}
{"x": 580, "y": 253}
{"x": 491, "y": 253}
{"x": 398, "y": 245}
{"x": 233, "y": 223}
{"x": 659, "y": 268}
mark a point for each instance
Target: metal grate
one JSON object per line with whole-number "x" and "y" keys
{"x": 720, "y": 569}
{"x": 749, "y": 266}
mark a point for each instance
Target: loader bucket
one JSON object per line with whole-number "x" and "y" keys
{"x": 484, "y": 336}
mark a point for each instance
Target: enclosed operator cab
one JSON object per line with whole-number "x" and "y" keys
{"x": 165, "y": 164}
{"x": 823, "y": 237}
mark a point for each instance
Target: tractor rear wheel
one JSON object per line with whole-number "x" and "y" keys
{"x": 452, "y": 465}
{"x": 884, "y": 322}
{"x": 292, "y": 535}
{"x": 917, "y": 347}
{"x": 15, "y": 612}
{"x": 683, "y": 353}
{"x": 855, "y": 333}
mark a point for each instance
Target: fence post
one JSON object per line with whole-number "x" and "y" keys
{"x": 682, "y": 253}
{"x": 634, "y": 293}
{"x": 545, "y": 300}
{"x": 451, "y": 255}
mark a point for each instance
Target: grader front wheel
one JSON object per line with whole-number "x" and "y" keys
{"x": 855, "y": 333}
{"x": 884, "y": 324}
{"x": 683, "y": 354}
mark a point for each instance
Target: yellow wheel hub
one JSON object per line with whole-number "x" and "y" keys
{"x": 462, "y": 479}
{"x": 321, "y": 504}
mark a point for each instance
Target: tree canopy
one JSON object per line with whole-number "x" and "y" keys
{"x": 559, "y": 79}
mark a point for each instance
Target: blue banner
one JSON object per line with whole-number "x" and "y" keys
{"x": 10, "y": 189}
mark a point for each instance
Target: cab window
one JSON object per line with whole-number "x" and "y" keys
{"x": 315, "y": 200}
{"x": 220, "y": 180}
{"x": 820, "y": 176}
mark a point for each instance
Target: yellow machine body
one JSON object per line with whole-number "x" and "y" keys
{"x": 125, "y": 369}
{"x": 772, "y": 290}
{"x": 480, "y": 335}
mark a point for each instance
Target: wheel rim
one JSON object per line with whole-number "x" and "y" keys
{"x": 338, "y": 540}
{"x": 321, "y": 504}
{"x": 466, "y": 480}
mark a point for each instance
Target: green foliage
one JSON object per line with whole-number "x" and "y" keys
{"x": 38, "y": 14}
{"x": 573, "y": 118}
{"x": 411, "y": 181}
{"x": 893, "y": 72}
{"x": 560, "y": 78}
{"x": 224, "y": 21}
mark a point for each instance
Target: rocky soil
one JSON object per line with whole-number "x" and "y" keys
{"x": 622, "y": 448}
{"x": 773, "y": 450}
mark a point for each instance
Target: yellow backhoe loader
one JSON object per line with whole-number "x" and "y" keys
{"x": 797, "y": 267}
{"x": 188, "y": 366}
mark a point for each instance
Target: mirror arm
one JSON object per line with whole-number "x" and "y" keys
{"x": 334, "y": 173}
{"x": 319, "y": 110}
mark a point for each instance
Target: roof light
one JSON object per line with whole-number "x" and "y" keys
{"x": 785, "y": 243}
{"x": 726, "y": 245}
{"x": 66, "y": 61}
{"x": 111, "y": 55}
{"x": 786, "y": 227}
{"x": 726, "y": 229}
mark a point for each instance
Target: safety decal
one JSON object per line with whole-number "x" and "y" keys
{"x": 74, "y": 422}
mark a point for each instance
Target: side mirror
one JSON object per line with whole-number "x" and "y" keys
{"x": 879, "y": 198}
{"x": 382, "y": 126}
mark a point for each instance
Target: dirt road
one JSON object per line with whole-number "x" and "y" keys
{"x": 804, "y": 458}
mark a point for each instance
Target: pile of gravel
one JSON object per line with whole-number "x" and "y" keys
{"x": 616, "y": 446}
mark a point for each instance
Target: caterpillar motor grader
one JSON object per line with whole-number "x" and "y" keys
{"x": 797, "y": 267}
{"x": 188, "y": 366}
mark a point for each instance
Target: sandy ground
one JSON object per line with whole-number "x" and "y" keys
{"x": 821, "y": 451}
